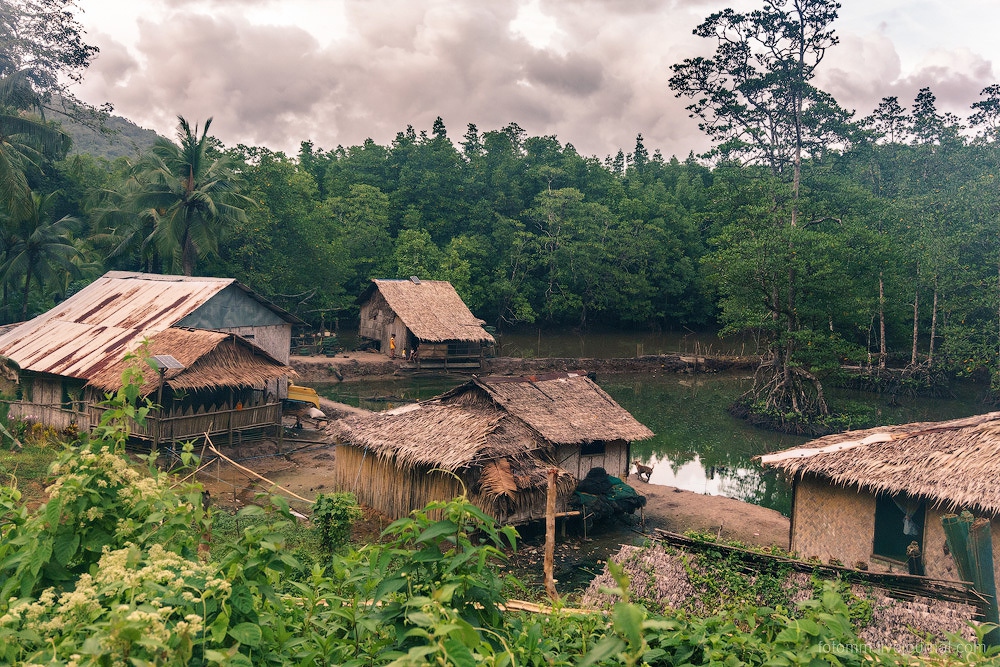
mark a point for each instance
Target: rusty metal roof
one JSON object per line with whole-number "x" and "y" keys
{"x": 96, "y": 326}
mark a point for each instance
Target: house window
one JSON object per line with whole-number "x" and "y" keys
{"x": 592, "y": 449}
{"x": 899, "y": 520}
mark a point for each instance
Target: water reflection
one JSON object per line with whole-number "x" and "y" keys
{"x": 698, "y": 446}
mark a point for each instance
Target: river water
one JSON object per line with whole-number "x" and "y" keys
{"x": 698, "y": 446}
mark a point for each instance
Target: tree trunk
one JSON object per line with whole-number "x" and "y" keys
{"x": 187, "y": 255}
{"x": 913, "y": 354}
{"x": 881, "y": 321}
{"x": 930, "y": 349}
{"x": 24, "y": 305}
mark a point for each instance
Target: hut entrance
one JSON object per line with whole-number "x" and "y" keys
{"x": 899, "y": 520}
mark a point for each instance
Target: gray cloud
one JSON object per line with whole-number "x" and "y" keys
{"x": 397, "y": 62}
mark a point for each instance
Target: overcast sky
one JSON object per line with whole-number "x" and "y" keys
{"x": 592, "y": 72}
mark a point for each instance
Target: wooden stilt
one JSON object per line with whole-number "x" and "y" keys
{"x": 550, "y": 536}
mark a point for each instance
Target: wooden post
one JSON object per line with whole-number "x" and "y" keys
{"x": 550, "y": 535}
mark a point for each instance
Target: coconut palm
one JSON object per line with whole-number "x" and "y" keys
{"x": 24, "y": 138}
{"x": 191, "y": 195}
{"x": 39, "y": 248}
{"x": 122, "y": 231}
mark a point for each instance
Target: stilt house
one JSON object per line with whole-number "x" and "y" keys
{"x": 497, "y": 437}
{"x": 231, "y": 346}
{"x": 862, "y": 497}
{"x": 427, "y": 316}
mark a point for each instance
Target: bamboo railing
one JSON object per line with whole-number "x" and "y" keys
{"x": 221, "y": 421}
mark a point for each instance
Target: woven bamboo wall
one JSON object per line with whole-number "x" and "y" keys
{"x": 837, "y": 522}
{"x": 832, "y": 522}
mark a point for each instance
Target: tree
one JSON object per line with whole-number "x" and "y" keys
{"x": 755, "y": 100}
{"x": 192, "y": 194}
{"x": 42, "y": 248}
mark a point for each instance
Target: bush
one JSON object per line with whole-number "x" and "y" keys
{"x": 334, "y": 514}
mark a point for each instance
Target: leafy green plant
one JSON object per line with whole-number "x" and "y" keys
{"x": 333, "y": 514}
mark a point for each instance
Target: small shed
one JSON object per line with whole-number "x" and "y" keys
{"x": 496, "y": 437}
{"x": 862, "y": 497}
{"x": 60, "y": 353}
{"x": 427, "y": 316}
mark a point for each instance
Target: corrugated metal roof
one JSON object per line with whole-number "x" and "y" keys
{"x": 97, "y": 325}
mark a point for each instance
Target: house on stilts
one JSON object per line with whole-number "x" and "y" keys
{"x": 426, "y": 316}
{"x": 222, "y": 353}
{"x": 864, "y": 497}
{"x": 494, "y": 437}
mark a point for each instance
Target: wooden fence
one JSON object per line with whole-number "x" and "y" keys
{"x": 219, "y": 421}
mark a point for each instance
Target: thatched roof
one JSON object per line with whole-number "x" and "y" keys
{"x": 564, "y": 408}
{"x": 432, "y": 310}
{"x": 445, "y": 436}
{"x": 211, "y": 360}
{"x": 952, "y": 464}
{"x": 452, "y": 437}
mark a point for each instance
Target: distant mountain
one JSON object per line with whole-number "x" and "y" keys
{"x": 124, "y": 138}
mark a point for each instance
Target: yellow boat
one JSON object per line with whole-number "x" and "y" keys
{"x": 303, "y": 395}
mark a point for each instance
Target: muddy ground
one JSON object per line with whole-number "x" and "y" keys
{"x": 347, "y": 366}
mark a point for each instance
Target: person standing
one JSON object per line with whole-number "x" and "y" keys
{"x": 392, "y": 346}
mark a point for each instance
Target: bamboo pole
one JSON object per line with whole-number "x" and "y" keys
{"x": 236, "y": 465}
{"x": 550, "y": 536}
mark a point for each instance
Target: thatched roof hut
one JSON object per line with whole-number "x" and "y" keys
{"x": 953, "y": 464}
{"x": 564, "y": 408}
{"x": 489, "y": 434}
{"x": 867, "y": 496}
{"x": 432, "y": 310}
{"x": 229, "y": 340}
{"x": 428, "y": 315}
{"x": 210, "y": 359}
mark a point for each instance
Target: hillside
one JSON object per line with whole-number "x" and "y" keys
{"x": 124, "y": 138}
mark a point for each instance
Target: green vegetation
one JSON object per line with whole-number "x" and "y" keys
{"x": 111, "y": 567}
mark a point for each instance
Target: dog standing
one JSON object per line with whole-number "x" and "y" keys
{"x": 641, "y": 470}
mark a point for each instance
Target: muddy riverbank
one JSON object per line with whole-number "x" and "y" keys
{"x": 349, "y": 366}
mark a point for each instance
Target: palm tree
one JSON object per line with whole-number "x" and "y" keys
{"x": 24, "y": 138}
{"x": 121, "y": 230}
{"x": 191, "y": 195}
{"x": 40, "y": 248}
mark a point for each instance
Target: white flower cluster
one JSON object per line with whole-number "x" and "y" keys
{"x": 73, "y": 474}
{"x": 159, "y": 591}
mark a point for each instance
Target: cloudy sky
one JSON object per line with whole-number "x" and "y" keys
{"x": 592, "y": 72}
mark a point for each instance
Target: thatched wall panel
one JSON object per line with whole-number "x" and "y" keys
{"x": 380, "y": 484}
{"x": 832, "y": 522}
